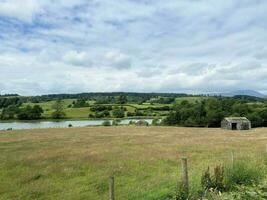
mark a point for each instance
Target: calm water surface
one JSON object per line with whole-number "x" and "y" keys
{"x": 59, "y": 124}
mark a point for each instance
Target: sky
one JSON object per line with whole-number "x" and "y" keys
{"x": 73, "y": 46}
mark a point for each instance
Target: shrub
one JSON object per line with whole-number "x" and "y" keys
{"x": 155, "y": 122}
{"x": 218, "y": 178}
{"x": 130, "y": 114}
{"x": 58, "y": 110}
{"x": 100, "y": 108}
{"x": 29, "y": 112}
{"x": 181, "y": 192}
{"x": 228, "y": 178}
{"x": 206, "y": 181}
{"x": 116, "y": 122}
{"x": 102, "y": 114}
{"x": 215, "y": 181}
{"x": 118, "y": 112}
{"x": 80, "y": 103}
{"x": 242, "y": 173}
{"x": 106, "y": 123}
{"x": 91, "y": 115}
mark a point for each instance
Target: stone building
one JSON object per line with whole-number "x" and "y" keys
{"x": 236, "y": 123}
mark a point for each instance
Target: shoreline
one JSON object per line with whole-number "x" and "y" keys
{"x": 77, "y": 119}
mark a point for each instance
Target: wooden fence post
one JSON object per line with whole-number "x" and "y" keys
{"x": 111, "y": 188}
{"x": 184, "y": 174}
{"x": 232, "y": 159}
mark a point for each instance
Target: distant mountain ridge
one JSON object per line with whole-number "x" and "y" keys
{"x": 242, "y": 93}
{"x": 252, "y": 93}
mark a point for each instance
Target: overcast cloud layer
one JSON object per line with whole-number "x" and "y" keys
{"x": 72, "y": 46}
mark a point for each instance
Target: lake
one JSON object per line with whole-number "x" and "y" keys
{"x": 60, "y": 124}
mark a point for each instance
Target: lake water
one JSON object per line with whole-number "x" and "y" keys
{"x": 59, "y": 124}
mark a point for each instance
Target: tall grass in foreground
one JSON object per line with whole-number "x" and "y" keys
{"x": 224, "y": 179}
{"x": 243, "y": 173}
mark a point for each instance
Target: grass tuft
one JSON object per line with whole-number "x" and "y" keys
{"x": 243, "y": 173}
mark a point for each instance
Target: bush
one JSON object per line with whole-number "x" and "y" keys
{"x": 228, "y": 178}
{"x": 116, "y": 122}
{"x": 118, "y": 112}
{"x": 106, "y": 123}
{"x": 91, "y": 115}
{"x": 243, "y": 173}
{"x": 215, "y": 181}
{"x": 9, "y": 112}
{"x": 130, "y": 114}
{"x": 30, "y": 113}
{"x": 100, "y": 108}
{"x": 139, "y": 113}
{"x": 155, "y": 122}
{"x": 102, "y": 114}
{"x": 206, "y": 181}
{"x": 131, "y": 122}
{"x": 181, "y": 192}
{"x": 80, "y": 103}
{"x": 58, "y": 110}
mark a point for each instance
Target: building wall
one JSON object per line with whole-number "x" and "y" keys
{"x": 245, "y": 126}
{"x": 240, "y": 125}
{"x": 226, "y": 125}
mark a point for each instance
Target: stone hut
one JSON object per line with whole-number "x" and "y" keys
{"x": 236, "y": 123}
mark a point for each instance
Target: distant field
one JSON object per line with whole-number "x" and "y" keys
{"x": 190, "y": 99}
{"x": 83, "y": 113}
{"x": 75, "y": 163}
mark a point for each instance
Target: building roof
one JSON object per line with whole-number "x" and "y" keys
{"x": 236, "y": 119}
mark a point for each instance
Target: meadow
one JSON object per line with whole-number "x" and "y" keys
{"x": 76, "y": 163}
{"x": 84, "y": 112}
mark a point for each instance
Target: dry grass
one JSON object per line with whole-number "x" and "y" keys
{"x": 75, "y": 163}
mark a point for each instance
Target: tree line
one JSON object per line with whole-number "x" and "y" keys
{"x": 107, "y": 97}
{"x": 30, "y": 112}
{"x": 210, "y": 112}
{"x": 207, "y": 112}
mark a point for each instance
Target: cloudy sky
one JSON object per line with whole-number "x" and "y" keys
{"x": 72, "y": 46}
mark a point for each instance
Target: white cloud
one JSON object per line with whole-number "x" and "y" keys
{"x": 77, "y": 58}
{"x": 52, "y": 46}
{"x": 17, "y": 9}
{"x": 118, "y": 60}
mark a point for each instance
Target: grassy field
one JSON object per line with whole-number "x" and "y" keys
{"x": 190, "y": 99}
{"x": 83, "y": 113}
{"x": 75, "y": 163}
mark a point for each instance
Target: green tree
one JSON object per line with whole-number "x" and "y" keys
{"x": 263, "y": 115}
{"x": 241, "y": 108}
{"x": 118, "y": 112}
{"x": 122, "y": 99}
{"x": 255, "y": 119}
{"x": 30, "y": 113}
{"x": 9, "y": 112}
{"x": 58, "y": 108}
{"x": 80, "y": 103}
{"x": 214, "y": 112}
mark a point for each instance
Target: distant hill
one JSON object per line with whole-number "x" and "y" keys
{"x": 9, "y": 95}
{"x": 252, "y": 93}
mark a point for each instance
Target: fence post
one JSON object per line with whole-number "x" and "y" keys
{"x": 111, "y": 188}
{"x": 184, "y": 174}
{"x": 232, "y": 159}
{"x": 266, "y": 148}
